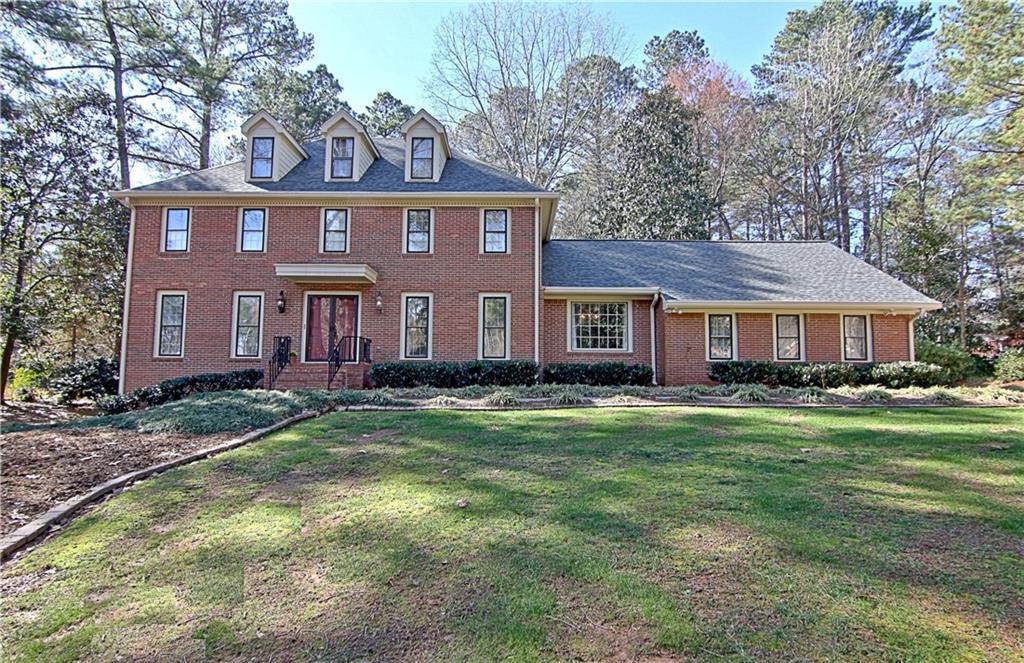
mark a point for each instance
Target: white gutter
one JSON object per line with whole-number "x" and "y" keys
{"x": 890, "y": 307}
{"x": 536, "y": 280}
{"x": 127, "y": 300}
{"x": 646, "y": 292}
{"x": 526, "y": 195}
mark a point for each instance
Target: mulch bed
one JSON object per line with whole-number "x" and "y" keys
{"x": 42, "y": 468}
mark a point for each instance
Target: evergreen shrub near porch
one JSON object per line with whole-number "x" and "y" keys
{"x": 454, "y": 374}
{"x": 599, "y": 374}
{"x": 177, "y": 388}
{"x": 895, "y": 375}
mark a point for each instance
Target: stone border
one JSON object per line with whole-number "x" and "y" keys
{"x": 26, "y": 534}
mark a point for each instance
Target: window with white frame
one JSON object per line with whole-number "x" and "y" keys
{"x": 335, "y": 235}
{"x": 855, "y": 337}
{"x": 422, "y": 159}
{"x": 170, "y": 316}
{"x": 720, "y": 336}
{"x": 342, "y": 157}
{"x": 177, "y": 223}
{"x": 253, "y": 231}
{"x": 416, "y": 326}
{"x": 494, "y": 319}
{"x": 248, "y": 328}
{"x": 600, "y": 326}
{"x": 417, "y": 231}
{"x": 262, "y": 160}
{"x": 787, "y": 337}
{"x": 495, "y": 231}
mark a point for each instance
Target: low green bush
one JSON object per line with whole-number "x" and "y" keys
{"x": 570, "y": 395}
{"x": 453, "y": 374}
{"x": 602, "y": 373}
{"x": 94, "y": 378}
{"x": 872, "y": 395}
{"x": 954, "y": 359}
{"x": 177, "y": 388}
{"x": 746, "y": 372}
{"x": 500, "y": 398}
{"x": 813, "y": 395}
{"x": 1010, "y": 365}
{"x": 750, "y": 393}
{"x": 903, "y": 374}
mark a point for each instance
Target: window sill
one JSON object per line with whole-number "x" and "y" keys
{"x": 164, "y": 358}
{"x": 602, "y": 352}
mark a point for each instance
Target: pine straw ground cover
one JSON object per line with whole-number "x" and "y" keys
{"x": 613, "y": 534}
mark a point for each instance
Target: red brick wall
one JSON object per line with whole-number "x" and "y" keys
{"x": 891, "y": 337}
{"x": 554, "y": 346}
{"x": 754, "y": 336}
{"x": 823, "y": 340}
{"x": 212, "y": 270}
{"x": 684, "y": 353}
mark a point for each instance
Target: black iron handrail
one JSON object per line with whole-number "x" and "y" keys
{"x": 280, "y": 357}
{"x": 348, "y": 350}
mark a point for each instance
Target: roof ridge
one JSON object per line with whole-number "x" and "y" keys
{"x": 697, "y": 241}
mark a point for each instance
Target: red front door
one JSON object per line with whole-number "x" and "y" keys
{"x": 329, "y": 318}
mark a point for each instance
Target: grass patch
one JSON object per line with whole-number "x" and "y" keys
{"x": 571, "y": 534}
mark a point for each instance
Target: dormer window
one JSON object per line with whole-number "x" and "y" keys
{"x": 262, "y": 157}
{"x": 422, "y": 158}
{"x": 342, "y": 157}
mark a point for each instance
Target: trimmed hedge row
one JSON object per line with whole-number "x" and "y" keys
{"x": 177, "y": 388}
{"x": 599, "y": 374}
{"x": 453, "y": 374}
{"x": 895, "y": 375}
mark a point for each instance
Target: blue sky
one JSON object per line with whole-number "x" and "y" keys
{"x": 387, "y": 46}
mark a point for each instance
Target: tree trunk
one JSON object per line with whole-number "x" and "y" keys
{"x": 206, "y": 135}
{"x": 120, "y": 112}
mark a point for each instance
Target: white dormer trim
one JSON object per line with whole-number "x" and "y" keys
{"x": 286, "y": 154}
{"x": 264, "y": 116}
{"x": 344, "y": 125}
{"x": 425, "y": 125}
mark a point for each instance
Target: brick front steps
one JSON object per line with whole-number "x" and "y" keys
{"x": 314, "y": 376}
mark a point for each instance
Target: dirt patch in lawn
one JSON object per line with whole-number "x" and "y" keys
{"x": 42, "y": 468}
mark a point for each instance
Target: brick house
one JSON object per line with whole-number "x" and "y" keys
{"x": 355, "y": 249}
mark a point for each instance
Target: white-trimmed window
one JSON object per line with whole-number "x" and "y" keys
{"x": 169, "y": 336}
{"x": 856, "y": 344}
{"x": 721, "y": 340}
{"x": 494, "y": 229}
{"x": 177, "y": 228}
{"x": 600, "y": 327}
{"x": 342, "y": 157}
{"x": 261, "y": 164}
{"x": 418, "y": 231}
{"x": 252, "y": 230}
{"x": 422, "y": 159}
{"x": 495, "y": 316}
{"x": 334, "y": 231}
{"x": 789, "y": 340}
{"x": 247, "y": 325}
{"x": 417, "y": 325}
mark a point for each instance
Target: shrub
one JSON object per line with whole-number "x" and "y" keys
{"x": 444, "y": 401}
{"x": 602, "y": 374}
{"x": 570, "y": 395}
{"x": 94, "y": 378}
{"x": 954, "y": 359}
{"x": 942, "y": 395}
{"x": 451, "y": 374}
{"x": 177, "y": 388}
{"x": 745, "y": 372}
{"x": 750, "y": 393}
{"x": 903, "y": 374}
{"x": 1010, "y": 365}
{"x": 873, "y": 395}
{"x": 501, "y": 398}
{"x": 813, "y": 395}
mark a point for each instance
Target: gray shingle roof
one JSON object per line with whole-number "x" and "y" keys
{"x": 725, "y": 271}
{"x": 385, "y": 175}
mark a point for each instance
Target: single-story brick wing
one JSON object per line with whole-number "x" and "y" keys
{"x": 353, "y": 249}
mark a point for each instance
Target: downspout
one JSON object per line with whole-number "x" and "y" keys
{"x": 536, "y": 280}
{"x": 913, "y": 343}
{"x": 127, "y": 299}
{"x": 654, "y": 338}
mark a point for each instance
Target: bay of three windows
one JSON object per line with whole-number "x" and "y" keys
{"x": 788, "y": 337}
{"x": 417, "y": 234}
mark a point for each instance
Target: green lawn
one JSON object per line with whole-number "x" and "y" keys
{"x": 623, "y": 534}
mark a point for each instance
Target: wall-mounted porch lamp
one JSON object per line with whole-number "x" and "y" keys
{"x": 281, "y": 302}
{"x": 380, "y": 303}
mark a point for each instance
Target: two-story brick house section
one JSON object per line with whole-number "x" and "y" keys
{"x": 354, "y": 249}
